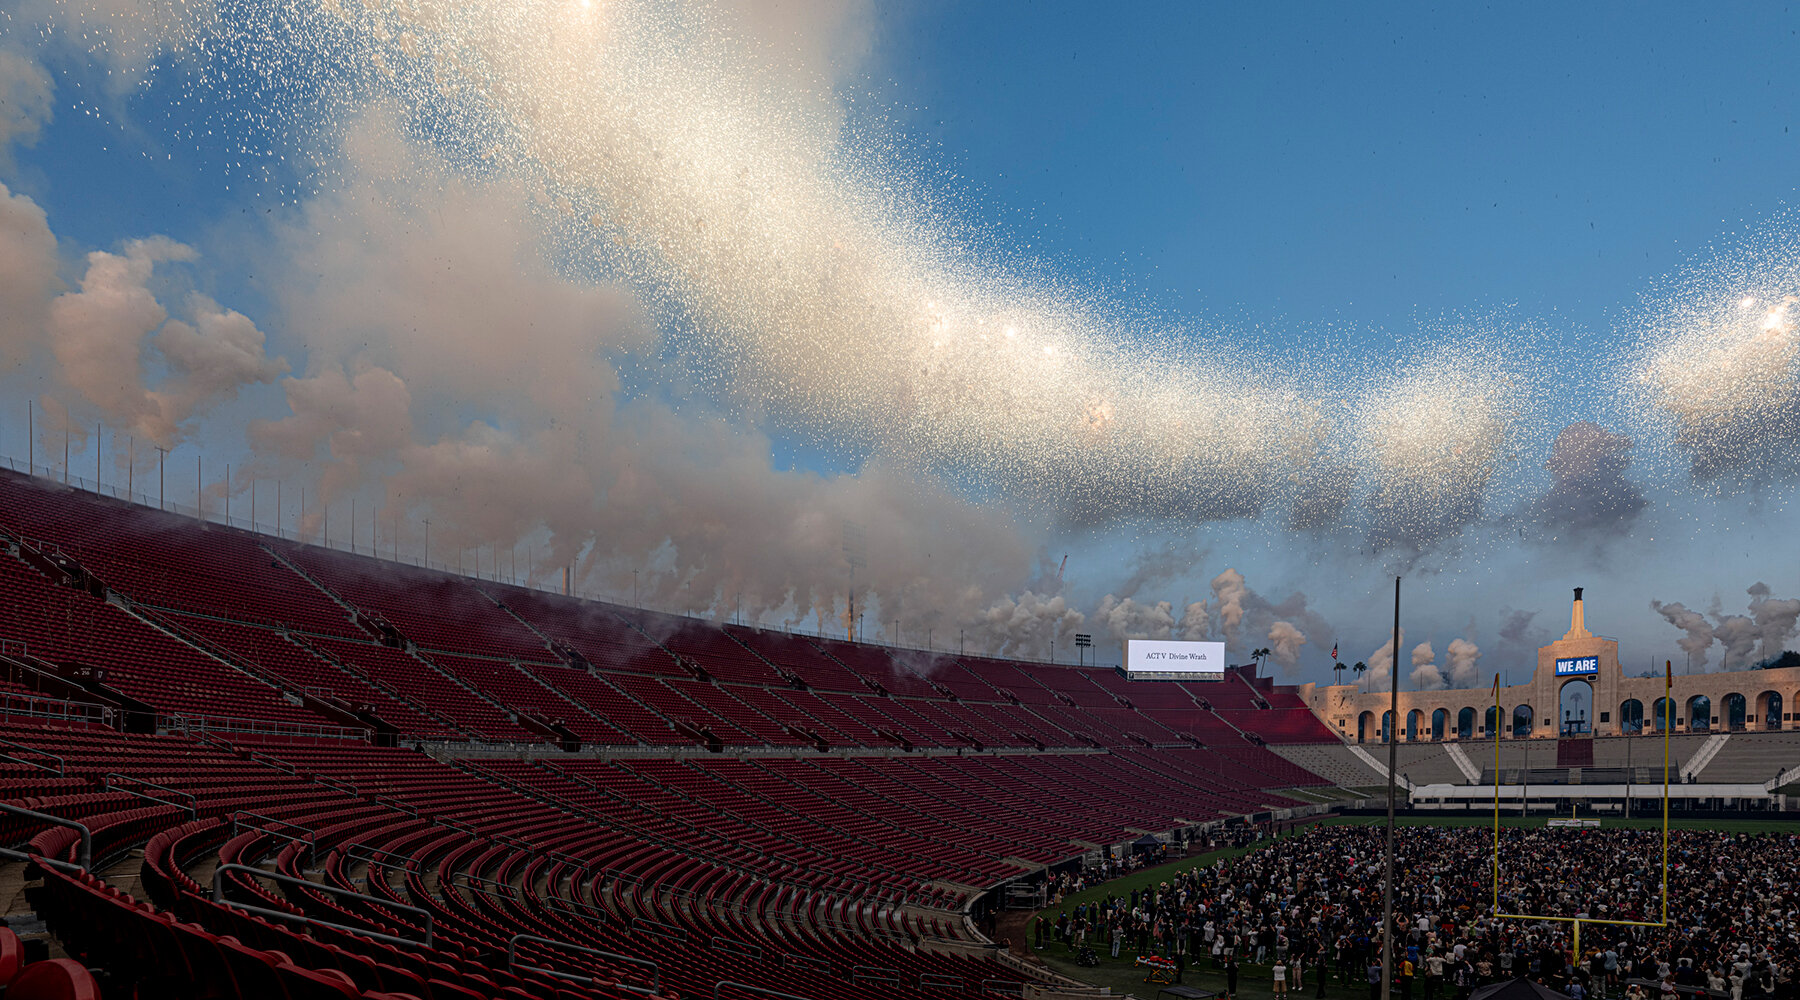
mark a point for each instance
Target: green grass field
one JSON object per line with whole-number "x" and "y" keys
{"x": 1255, "y": 981}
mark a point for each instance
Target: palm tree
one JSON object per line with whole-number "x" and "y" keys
{"x": 1337, "y": 669}
{"x": 1259, "y": 655}
{"x": 1358, "y": 670}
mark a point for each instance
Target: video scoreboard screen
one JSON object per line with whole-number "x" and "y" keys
{"x": 1577, "y": 666}
{"x": 1173, "y": 660}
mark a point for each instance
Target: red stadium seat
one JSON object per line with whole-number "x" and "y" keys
{"x": 12, "y": 956}
{"x": 54, "y": 979}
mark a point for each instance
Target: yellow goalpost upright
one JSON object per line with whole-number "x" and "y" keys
{"x": 1668, "y": 702}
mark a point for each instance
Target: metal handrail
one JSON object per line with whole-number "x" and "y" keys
{"x": 482, "y": 885}
{"x": 732, "y": 946}
{"x": 658, "y": 929}
{"x": 512, "y": 957}
{"x": 268, "y": 760}
{"x": 376, "y": 856}
{"x": 719, "y": 988}
{"x": 397, "y": 805}
{"x": 874, "y": 974}
{"x": 552, "y": 902}
{"x": 192, "y": 805}
{"x": 336, "y": 783}
{"x": 62, "y": 766}
{"x": 310, "y": 840}
{"x": 219, "y": 897}
{"x": 940, "y": 979}
{"x": 86, "y": 854}
{"x": 806, "y": 961}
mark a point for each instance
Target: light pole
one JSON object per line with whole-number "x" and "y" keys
{"x": 1083, "y": 641}
{"x": 428, "y": 546}
{"x": 634, "y": 596}
{"x": 1393, "y": 738}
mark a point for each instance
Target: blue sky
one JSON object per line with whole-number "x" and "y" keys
{"x": 1322, "y": 184}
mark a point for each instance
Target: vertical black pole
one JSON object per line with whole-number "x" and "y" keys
{"x": 1393, "y": 735}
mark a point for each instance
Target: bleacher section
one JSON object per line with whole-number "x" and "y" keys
{"x": 798, "y": 812}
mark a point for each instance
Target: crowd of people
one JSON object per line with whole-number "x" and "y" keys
{"x": 1305, "y": 911}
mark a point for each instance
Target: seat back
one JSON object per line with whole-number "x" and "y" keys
{"x": 54, "y": 979}
{"x": 12, "y": 956}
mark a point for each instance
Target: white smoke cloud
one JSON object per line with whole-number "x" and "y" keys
{"x": 1746, "y": 639}
{"x": 1425, "y": 674}
{"x": 1028, "y": 624}
{"x": 1697, "y": 637}
{"x": 1737, "y": 634}
{"x": 1128, "y": 618}
{"x": 1380, "y": 675}
{"x": 1775, "y": 619}
{"x": 27, "y": 277}
{"x": 1284, "y": 644}
{"x": 1462, "y": 657}
{"x": 1238, "y": 613}
{"x": 99, "y": 335}
{"x": 1229, "y": 593}
{"x": 1196, "y": 624}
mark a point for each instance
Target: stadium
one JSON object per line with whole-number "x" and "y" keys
{"x": 507, "y": 792}
{"x": 827, "y": 500}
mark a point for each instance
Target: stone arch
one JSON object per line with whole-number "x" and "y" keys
{"x": 1465, "y": 724}
{"x": 1631, "y": 716}
{"x": 1387, "y": 726}
{"x": 1768, "y": 710}
{"x": 1575, "y": 707}
{"x": 1364, "y": 722}
{"x": 1522, "y": 720}
{"x": 1414, "y": 719}
{"x": 1735, "y": 713}
{"x": 1661, "y": 715}
{"x": 1491, "y": 721}
{"x": 1699, "y": 713}
{"x": 1440, "y": 722}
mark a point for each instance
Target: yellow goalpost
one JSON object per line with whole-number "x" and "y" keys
{"x": 1668, "y": 727}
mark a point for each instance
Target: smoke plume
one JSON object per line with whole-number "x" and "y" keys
{"x": 1462, "y": 657}
{"x": 1425, "y": 674}
{"x": 1697, "y": 632}
{"x": 1381, "y": 665}
{"x": 1284, "y": 644}
{"x": 1776, "y": 619}
{"x": 1126, "y": 618}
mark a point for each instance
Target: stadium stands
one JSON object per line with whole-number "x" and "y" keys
{"x": 746, "y": 805}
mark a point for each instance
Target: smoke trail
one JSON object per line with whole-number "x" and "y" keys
{"x": 1284, "y": 644}
{"x": 1229, "y": 593}
{"x": 1776, "y": 619}
{"x": 1425, "y": 674}
{"x": 1381, "y": 665}
{"x": 1697, "y": 632}
{"x": 1127, "y": 618}
{"x": 1462, "y": 657}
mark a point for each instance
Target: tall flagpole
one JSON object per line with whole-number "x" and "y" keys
{"x": 1393, "y": 735}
